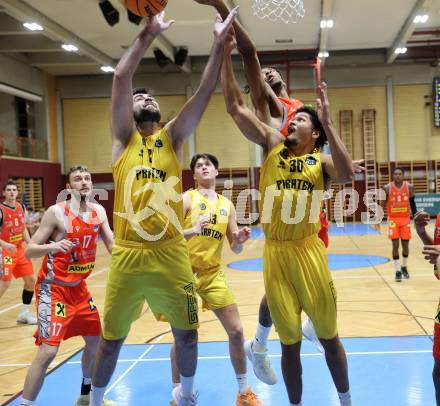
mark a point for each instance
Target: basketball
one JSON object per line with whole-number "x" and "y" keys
{"x": 146, "y": 8}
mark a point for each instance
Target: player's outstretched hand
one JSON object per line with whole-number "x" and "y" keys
{"x": 63, "y": 246}
{"x": 157, "y": 24}
{"x": 222, "y": 28}
{"x": 323, "y": 105}
{"x": 421, "y": 220}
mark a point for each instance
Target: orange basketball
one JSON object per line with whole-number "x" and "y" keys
{"x": 146, "y": 8}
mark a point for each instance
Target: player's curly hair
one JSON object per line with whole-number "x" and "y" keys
{"x": 316, "y": 125}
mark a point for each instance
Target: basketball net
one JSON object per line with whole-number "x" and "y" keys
{"x": 288, "y": 11}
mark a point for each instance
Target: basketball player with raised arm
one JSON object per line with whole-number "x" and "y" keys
{"x": 295, "y": 266}
{"x": 209, "y": 218}
{"x": 150, "y": 257}
{"x": 67, "y": 238}
{"x": 400, "y": 205}
{"x": 431, "y": 251}
{"x": 13, "y": 237}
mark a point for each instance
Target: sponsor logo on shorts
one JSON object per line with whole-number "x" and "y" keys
{"x": 8, "y": 260}
{"x": 60, "y": 309}
{"x": 84, "y": 268}
{"x": 191, "y": 298}
{"x": 91, "y": 304}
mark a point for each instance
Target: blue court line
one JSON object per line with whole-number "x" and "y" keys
{"x": 388, "y": 371}
{"x": 336, "y": 262}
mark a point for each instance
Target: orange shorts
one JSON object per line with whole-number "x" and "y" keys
{"x": 399, "y": 228}
{"x": 64, "y": 312}
{"x": 16, "y": 264}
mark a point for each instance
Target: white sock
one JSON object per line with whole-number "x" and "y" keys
{"x": 404, "y": 261}
{"x": 97, "y": 395}
{"x": 397, "y": 265}
{"x": 24, "y": 308}
{"x": 242, "y": 383}
{"x": 175, "y": 384}
{"x": 260, "y": 342}
{"x": 296, "y": 404}
{"x": 25, "y": 402}
{"x": 187, "y": 385}
{"x": 345, "y": 398}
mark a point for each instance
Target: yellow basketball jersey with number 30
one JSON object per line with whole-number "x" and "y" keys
{"x": 288, "y": 184}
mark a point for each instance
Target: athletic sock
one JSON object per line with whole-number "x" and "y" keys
{"x": 242, "y": 383}
{"x": 187, "y": 385}
{"x": 260, "y": 342}
{"x": 175, "y": 384}
{"x": 404, "y": 262}
{"x": 27, "y": 296}
{"x": 345, "y": 398}
{"x": 25, "y": 402}
{"x": 97, "y": 395}
{"x": 296, "y": 404}
{"x": 397, "y": 265}
{"x": 86, "y": 386}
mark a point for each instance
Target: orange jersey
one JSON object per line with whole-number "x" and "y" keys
{"x": 398, "y": 201}
{"x": 80, "y": 261}
{"x": 289, "y": 108}
{"x": 437, "y": 231}
{"x": 13, "y": 223}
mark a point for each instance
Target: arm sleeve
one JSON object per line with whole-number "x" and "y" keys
{"x": 412, "y": 203}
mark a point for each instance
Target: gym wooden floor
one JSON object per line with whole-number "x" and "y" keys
{"x": 370, "y": 304}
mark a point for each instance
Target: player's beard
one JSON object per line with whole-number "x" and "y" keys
{"x": 290, "y": 142}
{"x": 147, "y": 115}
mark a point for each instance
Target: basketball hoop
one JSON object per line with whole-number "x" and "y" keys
{"x": 288, "y": 11}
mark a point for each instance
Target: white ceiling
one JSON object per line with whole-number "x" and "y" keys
{"x": 359, "y": 24}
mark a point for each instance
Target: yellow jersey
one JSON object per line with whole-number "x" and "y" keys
{"x": 291, "y": 190}
{"x": 205, "y": 249}
{"x": 148, "y": 190}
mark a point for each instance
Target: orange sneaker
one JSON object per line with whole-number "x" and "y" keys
{"x": 248, "y": 399}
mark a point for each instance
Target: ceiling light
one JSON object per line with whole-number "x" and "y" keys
{"x": 69, "y": 47}
{"x": 323, "y": 54}
{"x": 400, "y": 50}
{"x": 327, "y": 23}
{"x": 33, "y": 26}
{"x": 421, "y": 18}
{"x": 107, "y": 69}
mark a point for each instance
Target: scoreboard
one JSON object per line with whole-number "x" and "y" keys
{"x": 437, "y": 102}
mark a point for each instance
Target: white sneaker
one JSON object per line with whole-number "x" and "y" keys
{"x": 179, "y": 400}
{"x": 262, "y": 368}
{"x": 309, "y": 333}
{"x": 26, "y": 317}
{"x": 84, "y": 400}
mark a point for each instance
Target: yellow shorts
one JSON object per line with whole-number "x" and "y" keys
{"x": 212, "y": 287}
{"x": 159, "y": 273}
{"x": 297, "y": 277}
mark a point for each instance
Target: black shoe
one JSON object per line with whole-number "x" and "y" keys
{"x": 405, "y": 272}
{"x": 398, "y": 277}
